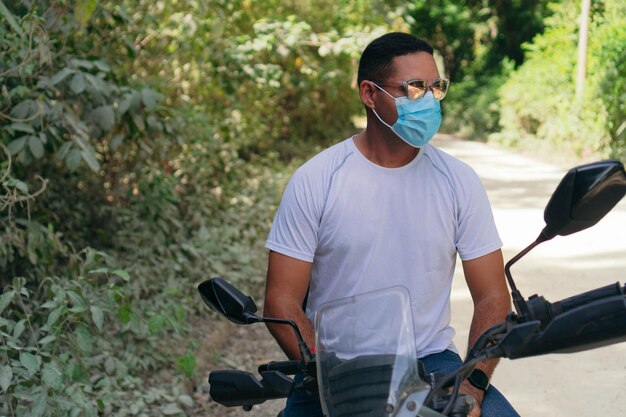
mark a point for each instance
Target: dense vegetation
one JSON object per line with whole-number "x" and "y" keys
{"x": 144, "y": 146}
{"x": 513, "y": 65}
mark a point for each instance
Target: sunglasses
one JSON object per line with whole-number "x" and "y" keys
{"x": 416, "y": 89}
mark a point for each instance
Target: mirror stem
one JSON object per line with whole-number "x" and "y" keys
{"x": 305, "y": 352}
{"x": 518, "y": 301}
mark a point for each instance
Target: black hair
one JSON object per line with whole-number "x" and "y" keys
{"x": 376, "y": 59}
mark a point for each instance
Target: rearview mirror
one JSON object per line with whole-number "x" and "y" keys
{"x": 227, "y": 300}
{"x": 584, "y": 196}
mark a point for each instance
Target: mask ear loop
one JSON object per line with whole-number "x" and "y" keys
{"x": 375, "y": 113}
{"x": 382, "y": 121}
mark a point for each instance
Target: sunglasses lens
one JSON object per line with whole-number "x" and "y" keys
{"x": 416, "y": 89}
{"x": 440, "y": 88}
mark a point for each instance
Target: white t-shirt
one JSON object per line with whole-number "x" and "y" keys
{"x": 366, "y": 227}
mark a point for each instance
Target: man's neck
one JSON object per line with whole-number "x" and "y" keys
{"x": 384, "y": 148}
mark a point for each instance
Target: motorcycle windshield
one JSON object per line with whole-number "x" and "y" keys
{"x": 366, "y": 357}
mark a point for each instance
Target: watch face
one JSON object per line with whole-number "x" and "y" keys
{"x": 479, "y": 379}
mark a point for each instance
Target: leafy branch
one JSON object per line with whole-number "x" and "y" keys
{"x": 16, "y": 191}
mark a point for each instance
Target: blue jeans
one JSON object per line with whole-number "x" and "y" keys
{"x": 300, "y": 404}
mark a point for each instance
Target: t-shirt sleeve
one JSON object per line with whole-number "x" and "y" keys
{"x": 477, "y": 234}
{"x": 295, "y": 226}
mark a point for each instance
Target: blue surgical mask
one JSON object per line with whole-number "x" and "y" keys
{"x": 418, "y": 120}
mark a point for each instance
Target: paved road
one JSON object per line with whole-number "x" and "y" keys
{"x": 583, "y": 384}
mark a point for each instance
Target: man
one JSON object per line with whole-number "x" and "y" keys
{"x": 385, "y": 208}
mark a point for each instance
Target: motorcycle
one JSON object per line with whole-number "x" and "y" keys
{"x": 370, "y": 368}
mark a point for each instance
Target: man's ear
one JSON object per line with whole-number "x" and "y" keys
{"x": 366, "y": 92}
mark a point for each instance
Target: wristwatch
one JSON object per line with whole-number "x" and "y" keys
{"x": 478, "y": 379}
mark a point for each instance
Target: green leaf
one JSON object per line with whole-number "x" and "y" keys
{"x": 73, "y": 158}
{"x": 63, "y": 150}
{"x": 13, "y": 345}
{"x": 104, "y": 116}
{"x": 124, "y": 313}
{"x": 82, "y": 63}
{"x": 76, "y": 124}
{"x": 149, "y": 98}
{"x": 138, "y": 121}
{"x": 19, "y": 328}
{"x": 122, "y": 274}
{"x": 53, "y": 317}
{"x": 186, "y": 400}
{"x": 156, "y": 324}
{"x": 48, "y": 339}
{"x": 52, "y": 376}
{"x": 30, "y": 362}
{"x": 84, "y": 338}
{"x": 89, "y": 157}
{"x": 125, "y": 103}
{"x": 40, "y": 403}
{"x": 11, "y": 19}
{"x": 22, "y": 186}
{"x": 6, "y": 375}
{"x": 35, "y": 146}
{"x": 109, "y": 365}
{"x": 116, "y": 141}
{"x": 21, "y": 127}
{"x": 187, "y": 364}
{"x": 17, "y": 145}
{"x": 102, "y": 66}
{"x": 83, "y": 10}
{"x": 171, "y": 409}
{"x": 61, "y": 75}
{"x": 75, "y": 298}
{"x": 97, "y": 316}
{"x": 78, "y": 83}
{"x": 24, "y": 109}
{"x": 5, "y": 299}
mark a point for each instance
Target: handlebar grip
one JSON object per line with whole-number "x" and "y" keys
{"x": 286, "y": 367}
{"x": 545, "y": 311}
{"x": 586, "y": 298}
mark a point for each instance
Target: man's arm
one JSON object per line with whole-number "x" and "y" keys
{"x": 285, "y": 288}
{"x": 487, "y": 286}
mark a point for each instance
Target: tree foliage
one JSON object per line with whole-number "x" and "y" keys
{"x": 143, "y": 148}
{"x": 547, "y": 108}
{"x": 480, "y": 42}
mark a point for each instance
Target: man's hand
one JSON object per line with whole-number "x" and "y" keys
{"x": 477, "y": 394}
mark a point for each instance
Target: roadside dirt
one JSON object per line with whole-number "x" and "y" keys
{"x": 229, "y": 346}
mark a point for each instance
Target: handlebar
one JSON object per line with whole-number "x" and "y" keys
{"x": 588, "y": 297}
{"x": 544, "y": 311}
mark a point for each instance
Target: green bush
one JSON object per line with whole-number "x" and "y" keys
{"x": 539, "y": 98}
{"x": 480, "y": 43}
{"x": 471, "y": 108}
{"x": 144, "y": 148}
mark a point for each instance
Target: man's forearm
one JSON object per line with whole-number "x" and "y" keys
{"x": 284, "y": 334}
{"x": 488, "y": 312}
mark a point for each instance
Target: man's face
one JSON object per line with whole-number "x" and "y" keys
{"x": 414, "y": 66}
